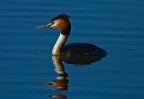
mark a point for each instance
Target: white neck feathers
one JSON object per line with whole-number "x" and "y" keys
{"x": 59, "y": 44}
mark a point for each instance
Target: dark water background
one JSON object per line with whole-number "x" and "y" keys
{"x": 25, "y": 53}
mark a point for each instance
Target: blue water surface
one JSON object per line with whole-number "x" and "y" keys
{"x": 26, "y": 64}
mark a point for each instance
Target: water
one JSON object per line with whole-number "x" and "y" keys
{"x": 26, "y": 66}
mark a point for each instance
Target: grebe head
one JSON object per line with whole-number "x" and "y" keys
{"x": 61, "y": 22}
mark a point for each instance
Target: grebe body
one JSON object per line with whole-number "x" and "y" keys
{"x": 62, "y": 23}
{"x": 82, "y": 49}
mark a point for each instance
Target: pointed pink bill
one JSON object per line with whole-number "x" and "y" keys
{"x": 45, "y": 26}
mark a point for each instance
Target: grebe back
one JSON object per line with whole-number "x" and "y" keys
{"x": 62, "y": 23}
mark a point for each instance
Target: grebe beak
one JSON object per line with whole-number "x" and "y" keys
{"x": 45, "y": 26}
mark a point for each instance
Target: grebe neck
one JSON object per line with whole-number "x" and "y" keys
{"x": 59, "y": 44}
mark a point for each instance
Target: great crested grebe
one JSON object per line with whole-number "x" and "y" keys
{"x": 62, "y": 23}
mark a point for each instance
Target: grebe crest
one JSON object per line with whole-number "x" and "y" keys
{"x": 62, "y": 23}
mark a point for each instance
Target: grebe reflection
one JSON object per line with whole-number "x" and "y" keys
{"x": 62, "y": 23}
{"x": 61, "y": 82}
